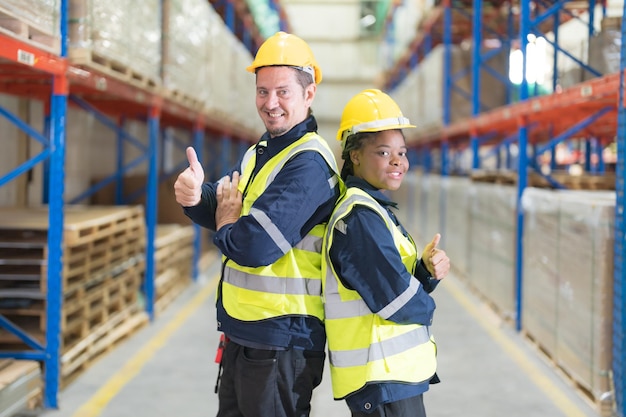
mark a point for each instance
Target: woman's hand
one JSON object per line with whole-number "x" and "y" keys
{"x": 435, "y": 259}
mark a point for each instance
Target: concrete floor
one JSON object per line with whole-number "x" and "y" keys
{"x": 168, "y": 369}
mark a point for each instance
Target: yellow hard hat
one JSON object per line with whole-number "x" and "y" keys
{"x": 289, "y": 50}
{"x": 370, "y": 111}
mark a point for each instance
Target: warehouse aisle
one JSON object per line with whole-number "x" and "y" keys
{"x": 167, "y": 368}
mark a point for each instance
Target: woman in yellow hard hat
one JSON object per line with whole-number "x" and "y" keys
{"x": 376, "y": 290}
{"x": 269, "y": 215}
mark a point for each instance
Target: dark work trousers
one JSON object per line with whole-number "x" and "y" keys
{"x": 268, "y": 383}
{"x": 409, "y": 407}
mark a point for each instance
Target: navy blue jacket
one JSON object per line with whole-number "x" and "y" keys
{"x": 368, "y": 262}
{"x": 298, "y": 199}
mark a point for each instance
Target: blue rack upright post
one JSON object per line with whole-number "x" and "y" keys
{"x": 619, "y": 286}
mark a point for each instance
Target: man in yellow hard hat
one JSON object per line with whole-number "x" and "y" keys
{"x": 269, "y": 215}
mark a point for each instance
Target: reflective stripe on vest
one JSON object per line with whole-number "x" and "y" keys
{"x": 291, "y": 285}
{"x": 364, "y": 346}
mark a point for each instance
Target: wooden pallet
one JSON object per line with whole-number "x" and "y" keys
{"x": 574, "y": 182}
{"x": 173, "y": 256}
{"x": 92, "y": 60}
{"x": 100, "y": 341}
{"x": 16, "y": 27}
{"x": 604, "y": 406}
{"x": 184, "y": 99}
{"x": 20, "y": 386}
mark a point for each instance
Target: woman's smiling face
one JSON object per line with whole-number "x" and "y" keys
{"x": 382, "y": 161}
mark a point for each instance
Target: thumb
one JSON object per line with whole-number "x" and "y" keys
{"x": 194, "y": 163}
{"x": 435, "y": 241}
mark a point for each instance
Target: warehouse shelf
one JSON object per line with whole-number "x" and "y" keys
{"x": 42, "y": 71}
{"x": 252, "y": 21}
{"x": 30, "y": 70}
{"x": 586, "y": 111}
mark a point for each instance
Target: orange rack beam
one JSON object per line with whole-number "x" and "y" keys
{"x": 550, "y": 113}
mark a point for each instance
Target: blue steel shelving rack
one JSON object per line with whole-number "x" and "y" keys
{"x": 34, "y": 62}
{"x": 619, "y": 287}
{"x": 593, "y": 109}
{"x": 48, "y": 77}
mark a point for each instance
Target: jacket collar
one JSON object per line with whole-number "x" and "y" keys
{"x": 373, "y": 192}
{"x": 278, "y": 143}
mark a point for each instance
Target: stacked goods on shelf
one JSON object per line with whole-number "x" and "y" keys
{"x": 605, "y": 47}
{"x": 576, "y": 334}
{"x": 102, "y": 271}
{"x": 173, "y": 257}
{"x": 187, "y": 30}
{"x": 541, "y": 274}
{"x": 117, "y": 37}
{"x": 20, "y": 386}
{"x": 205, "y": 64}
{"x": 456, "y": 239}
{"x": 425, "y": 103}
{"x": 567, "y": 265}
{"x": 245, "y": 87}
{"x": 585, "y": 265}
{"x": 600, "y": 51}
{"x": 34, "y": 21}
{"x": 491, "y": 254}
{"x": 419, "y": 194}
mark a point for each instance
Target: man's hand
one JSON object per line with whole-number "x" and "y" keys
{"x": 435, "y": 259}
{"x": 188, "y": 185}
{"x": 229, "y": 201}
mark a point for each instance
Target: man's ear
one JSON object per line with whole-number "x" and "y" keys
{"x": 309, "y": 94}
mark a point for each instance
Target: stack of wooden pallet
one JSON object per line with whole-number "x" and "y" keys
{"x": 102, "y": 271}
{"x": 173, "y": 261}
{"x": 20, "y": 386}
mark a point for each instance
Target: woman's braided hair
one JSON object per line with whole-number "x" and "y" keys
{"x": 353, "y": 143}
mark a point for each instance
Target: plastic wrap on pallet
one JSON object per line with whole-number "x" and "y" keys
{"x": 120, "y": 32}
{"x": 245, "y": 83}
{"x": 40, "y": 21}
{"x": 567, "y": 283}
{"x": 540, "y": 267}
{"x": 186, "y": 36}
{"x": 42, "y": 13}
{"x": 491, "y": 258}
{"x": 456, "y": 234}
{"x": 604, "y": 51}
{"x": 585, "y": 289}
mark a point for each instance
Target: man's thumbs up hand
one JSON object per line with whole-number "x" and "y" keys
{"x": 188, "y": 185}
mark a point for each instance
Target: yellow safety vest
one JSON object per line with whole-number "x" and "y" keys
{"x": 293, "y": 284}
{"x": 363, "y": 346}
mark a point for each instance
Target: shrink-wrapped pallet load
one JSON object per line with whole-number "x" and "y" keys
{"x": 34, "y": 21}
{"x": 491, "y": 256}
{"x": 118, "y": 37}
{"x": 585, "y": 293}
{"x": 187, "y": 30}
{"x": 456, "y": 236}
{"x": 568, "y": 284}
{"x": 540, "y": 266}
